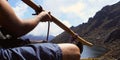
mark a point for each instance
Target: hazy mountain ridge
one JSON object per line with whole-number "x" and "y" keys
{"x": 103, "y": 29}
{"x": 32, "y": 37}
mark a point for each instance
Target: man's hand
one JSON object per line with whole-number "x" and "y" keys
{"x": 45, "y": 16}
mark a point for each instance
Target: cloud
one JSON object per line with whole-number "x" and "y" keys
{"x": 55, "y": 29}
{"x": 20, "y": 9}
{"x": 41, "y": 29}
{"x": 76, "y": 8}
{"x": 82, "y": 10}
{"x": 70, "y": 12}
{"x": 66, "y": 23}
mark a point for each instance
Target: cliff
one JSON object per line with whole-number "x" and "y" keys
{"x": 103, "y": 29}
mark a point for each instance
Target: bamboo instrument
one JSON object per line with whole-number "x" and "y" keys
{"x": 38, "y": 9}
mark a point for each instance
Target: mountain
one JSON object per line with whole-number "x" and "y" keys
{"x": 103, "y": 29}
{"x": 32, "y": 37}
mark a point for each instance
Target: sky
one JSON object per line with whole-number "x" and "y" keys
{"x": 69, "y": 12}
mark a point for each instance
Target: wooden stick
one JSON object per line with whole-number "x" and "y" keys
{"x": 56, "y": 21}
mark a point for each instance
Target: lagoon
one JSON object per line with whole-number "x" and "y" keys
{"x": 93, "y": 52}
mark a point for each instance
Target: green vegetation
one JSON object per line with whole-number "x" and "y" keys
{"x": 90, "y": 59}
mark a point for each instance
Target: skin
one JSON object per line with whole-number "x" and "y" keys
{"x": 8, "y": 20}
{"x": 70, "y": 51}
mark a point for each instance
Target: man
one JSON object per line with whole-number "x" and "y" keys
{"x": 44, "y": 51}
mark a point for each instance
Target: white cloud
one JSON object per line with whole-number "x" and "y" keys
{"x": 76, "y": 8}
{"x": 70, "y": 12}
{"x": 84, "y": 9}
{"x": 41, "y": 29}
{"x": 66, "y": 23}
{"x": 20, "y": 9}
{"x": 75, "y": 11}
{"x": 55, "y": 29}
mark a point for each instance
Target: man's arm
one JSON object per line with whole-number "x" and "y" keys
{"x": 16, "y": 26}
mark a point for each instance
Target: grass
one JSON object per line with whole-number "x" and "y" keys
{"x": 90, "y": 59}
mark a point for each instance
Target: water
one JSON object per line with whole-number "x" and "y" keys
{"x": 93, "y": 52}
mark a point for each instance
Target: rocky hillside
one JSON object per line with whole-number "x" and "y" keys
{"x": 103, "y": 29}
